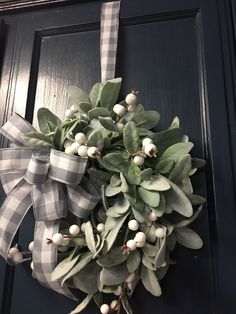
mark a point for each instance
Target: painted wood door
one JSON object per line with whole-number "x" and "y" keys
{"x": 179, "y": 54}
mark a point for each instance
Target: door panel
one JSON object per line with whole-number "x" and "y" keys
{"x": 171, "y": 52}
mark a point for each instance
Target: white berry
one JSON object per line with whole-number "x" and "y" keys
{"x": 105, "y": 309}
{"x": 152, "y": 216}
{"x": 83, "y": 226}
{"x": 69, "y": 150}
{"x": 67, "y": 143}
{"x": 17, "y": 257}
{"x": 160, "y": 233}
{"x": 65, "y": 242}
{"x": 75, "y": 147}
{"x": 147, "y": 141}
{"x": 132, "y": 245}
{"x": 141, "y": 244}
{"x": 150, "y": 150}
{"x": 130, "y": 278}
{"x": 131, "y": 99}
{"x": 119, "y": 110}
{"x": 57, "y": 238}
{"x": 82, "y": 151}
{"x": 93, "y": 152}
{"x": 31, "y": 246}
{"x": 138, "y": 160}
{"x": 73, "y": 109}
{"x": 100, "y": 227}
{"x": 13, "y": 251}
{"x": 74, "y": 230}
{"x": 69, "y": 114}
{"x": 140, "y": 237}
{"x": 133, "y": 225}
{"x": 120, "y": 126}
{"x": 114, "y": 304}
{"x": 32, "y": 265}
{"x": 118, "y": 291}
{"x": 80, "y": 138}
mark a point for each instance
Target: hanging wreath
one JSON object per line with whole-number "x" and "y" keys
{"x": 135, "y": 198}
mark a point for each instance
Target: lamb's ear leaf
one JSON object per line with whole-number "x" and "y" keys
{"x": 131, "y": 137}
{"x": 47, "y": 120}
{"x": 150, "y": 281}
{"x": 110, "y": 92}
{"x": 95, "y": 94}
{"x": 77, "y": 95}
{"x": 146, "y": 119}
{"x": 188, "y": 238}
{"x": 82, "y": 305}
{"x": 125, "y": 304}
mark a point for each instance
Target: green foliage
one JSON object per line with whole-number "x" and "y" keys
{"x": 150, "y": 281}
{"x": 110, "y": 92}
{"x": 147, "y": 119}
{"x": 131, "y": 137}
{"x": 47, "y": 121}
{"x": 40, "y": 140}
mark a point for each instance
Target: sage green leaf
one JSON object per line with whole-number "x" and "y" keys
{"x": 131, "y": 137}
{"x": 181, "y": 169}
{"x": 98, "y": 112}
{"x": 177, "y": 150}
{"x": 188, "y": 238}
{"x": 112, "y": 191}
{"x": 160, "y": 258}
{"x": 110, "y": 92}
{"x": 150, "y": 281}
{"x": 47, "y": 120}
{"x": 175, "y": 123}
{"x": 125, "y": 304}
{"x": 115, "y": 180}
{"x": 112, "y": 235}
{"x": 137, "y": 205}
{"x": 87, "y": 278}
{"x": 186, "y": 186}
{"x": 164, "y": 166}
{"x": 95, "y": 94}
{"x": 99, "y": 174}
{"x": 64, "y": 267}
{"x": 59, "y": 138}
{"x": 196, "y": 199}
{"x": 124, "y": 185}
{"x": 149, "y": 231}
{"x": 98, "y": 298}
{"x": 120, "y": 207}
{"x": 112, "y": 258}
{"x": 114, "y": 275}
{"x": 157, "y": 183}
{"x": 198, "y": 163}
{"x": 148, "y": 262}
{"x": 84, "y": 107}
{"x": 133, "y": 261}
{"x": 37, "y": 140}
{"x": 113, "y": 159}
{"x": 146, "y": 174}
{"x": 188, "y": 221}
{"x": 82, "y": 305}
{"x": 167, "y": 138}
{"x": 178, "y": 201}
{"x": 134, "y": 174}
{"x": 89, "y": 237}
{"x": 108, "y": 123}
{"x": 150, "y": 250}
{"x": 77, "y": 95}
{"x": 152, "y": 198}
{"x": 96, "y": 139}
{"x": 84, "y": 259}
{"x": 146, "y": 119}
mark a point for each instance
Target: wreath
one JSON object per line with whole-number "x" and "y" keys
{"x": 144, "y": 197}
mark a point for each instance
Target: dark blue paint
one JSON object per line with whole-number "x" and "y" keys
{"x": 181, "y": 56}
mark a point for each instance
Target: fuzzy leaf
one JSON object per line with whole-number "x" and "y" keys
{"x": 188, "y": 221}
{"x": 146, "y": 119}
{"x": 146, "y": 174}
{"x": 178, "y": 201}
{"x": 110, "y": 92}
{"x": 133, "y": 261}
{"x": 188, "y": 238}
{"x": 64, "y": 267}
{"x": 150, "y": 281}
{"x": 112, "y": 191}
{"x": 164, "y": 166}
{"x": 131, "y": 137}
{"x": 112, "y": 258}
{"x": 177, "y": 150}
{"x": 181, "y": 169}
{"x": 134, "y": 174}
{"x": 195, "y": 199}
{"x": 77, "y": 95}
{"x": 157, "y": 183}
{"x": 198, "y": 163}
{"x": 98, "y": 112}
{"x": 152, "y": 198}
{"x": 119, "y": 208}
{"x": 89, "y": 237}
{"x": 125, "y": 304}
{"x": 36, "y": 140}
{"x": 108, "y": 123}
{"x": 167, "y": 138}
{"x": 114, "y": 275}
{"x": 47, "y": 120}
{"x": 82, "y": 305}
{"x": 124, "y": 185}
{"x": 84, "y": 107}
{"x": 95, "y": 94}
{"x": 96, "y": 139}
{"x": 87, "y": 279}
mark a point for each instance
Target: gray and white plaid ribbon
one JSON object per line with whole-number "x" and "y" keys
{"x": 53, "y": 183}
{"x": 109, "y": 38}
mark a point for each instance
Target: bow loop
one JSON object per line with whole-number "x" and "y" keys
{"x": 66, "y": 168}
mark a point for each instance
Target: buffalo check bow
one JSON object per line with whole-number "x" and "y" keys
{"x": 52, "y": 182}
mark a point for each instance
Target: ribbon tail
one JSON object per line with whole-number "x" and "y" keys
{"x": 13, "y": 212}
{"x": 45, "y": 256}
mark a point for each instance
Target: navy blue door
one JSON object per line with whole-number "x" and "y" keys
{"x": 179, "y": 54}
